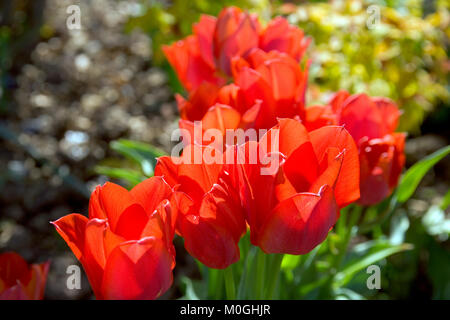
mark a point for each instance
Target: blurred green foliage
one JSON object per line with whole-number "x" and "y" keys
{"x": 166, "y": 21}
{"x": 403, "y": 56}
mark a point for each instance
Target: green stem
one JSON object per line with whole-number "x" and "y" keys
{"x": 354, "y": 213}
{"x": 243, "y": 283}
{"x": 274, "y": 272}
{"x": 229, "y": 283}
{"x": 260, "y": 274}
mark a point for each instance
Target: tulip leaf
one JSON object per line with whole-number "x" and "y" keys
{"x": 191, "y": 289}
{"x": 131, "y": 176}
{"x": 414, "y": 175}
{"x": 142, "y": 153}
{"x": 348, "y": 294}
{"x": 446, "y": 201}
{"x": 366, "y": 254}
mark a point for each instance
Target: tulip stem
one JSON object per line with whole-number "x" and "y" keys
{"x": 355, "y": 214}
{"x": 260, "y": 274}
{"x": 229, "y": 283}
{"x": 274, "y": 272}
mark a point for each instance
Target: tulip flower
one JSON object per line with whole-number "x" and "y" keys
{"x": 371, "y": 122}
{"x": 211, "y": 107}
{"x": 279, "y": 35}
{"x": 125, "y": 246}
{"x": 192, "y": 57}
{"x": 292, "y": 209}
{"x": 236, "y": 34}
{"x": 277, "y": 80}
{"x": 20, "y": 281}
{"x": 210, "y": 215}
{"x": 206, "y": 56}
{"x": 268, "y": 86}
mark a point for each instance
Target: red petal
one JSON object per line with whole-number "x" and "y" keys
{"x": 13, "y": 268}
{"x": 319, "y": 116}
{"x": 331, "y": 167}
{"x": 151, "y": 192}
{"x": 204, "y": 30}
{"x": 362, "y": 118}
{"x": 347, "y": 185}
{"x": 297, "y": 225}
{"x": 281, "y": 36}
{"x": 186, "y": 58}
{"x": 167, "y": 169}
{"x": 72, "y": 229}
{"x": 110, "y": 200}
{"x": 131, "y": 222}
{"x": 389, "y": 112}
{"x": 138, "y": 270}
{"x": 302, "y": 168}
{"x": 16, "y": 292}
{"x": 235, "y": 35}
{"x": 221, "y": 117}
{"x": 94, "y": 253}
{"x": 337, "y": 101}
{"x": 285, "y": 138}
{"x": 200, "y": 100}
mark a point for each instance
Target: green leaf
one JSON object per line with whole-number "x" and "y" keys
{"x": 435, "y": 222}
{"x": 399, "y": 226}
{"x": 414, "y": 175}
{"x": 193, "y": 289}
{"x": 446, "y": 201}
{"x": 142, "y": 153}
{"x": 348, "y": 294}
{"x": 372, "y": 251}
{"x": 131, "y": 176}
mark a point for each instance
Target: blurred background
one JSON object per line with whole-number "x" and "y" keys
{"x": 69, "y": 98}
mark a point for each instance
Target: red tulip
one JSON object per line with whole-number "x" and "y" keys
{"x": 292, "y": 209}
{"x": 210, "y": 215}
{"x": 192, "y": 57}
{"x": 206, "y": 56}
{"x": 372, "y": 122}
{"x": 279, "y": 35}
{"x": 277, "y": 80}
{"x": 125, "y": 246}
{"x": 318, "y": 116}
{"x": 215, "y": 108}
{"x": 20, "y": 281}
{"x": 235, "y": 35}
{"x": 268, "y": 86}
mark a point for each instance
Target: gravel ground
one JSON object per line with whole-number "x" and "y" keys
{"x": 80, "y": 90}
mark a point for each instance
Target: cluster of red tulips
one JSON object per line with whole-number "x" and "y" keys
{"x": 239, "y": 75}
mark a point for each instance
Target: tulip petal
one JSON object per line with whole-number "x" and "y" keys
{"x": 389, "y": 112}
{"x": 151, "y": 192}
{"x": 167, "y": 169}
{"x": 362, "y": 118}
{"x": 111, "y": 200}
{"x": 302, "y": 167}
{"x": 204, "y": 30}
{"x": 281, "y": 36}
{"x": 15, "y": 292}
{"x": 221, "y": 117}
{"x": 72, "y": 229}
{"x": 131, "y": 222}
{"x": 346, "y": 188}
{"x": 138, "y": 270}
{"x": 331, "y": 167}
{"x": 300, "y": 223}
{"x": 94, "y": 253}
{"x": 289, "y": 135}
